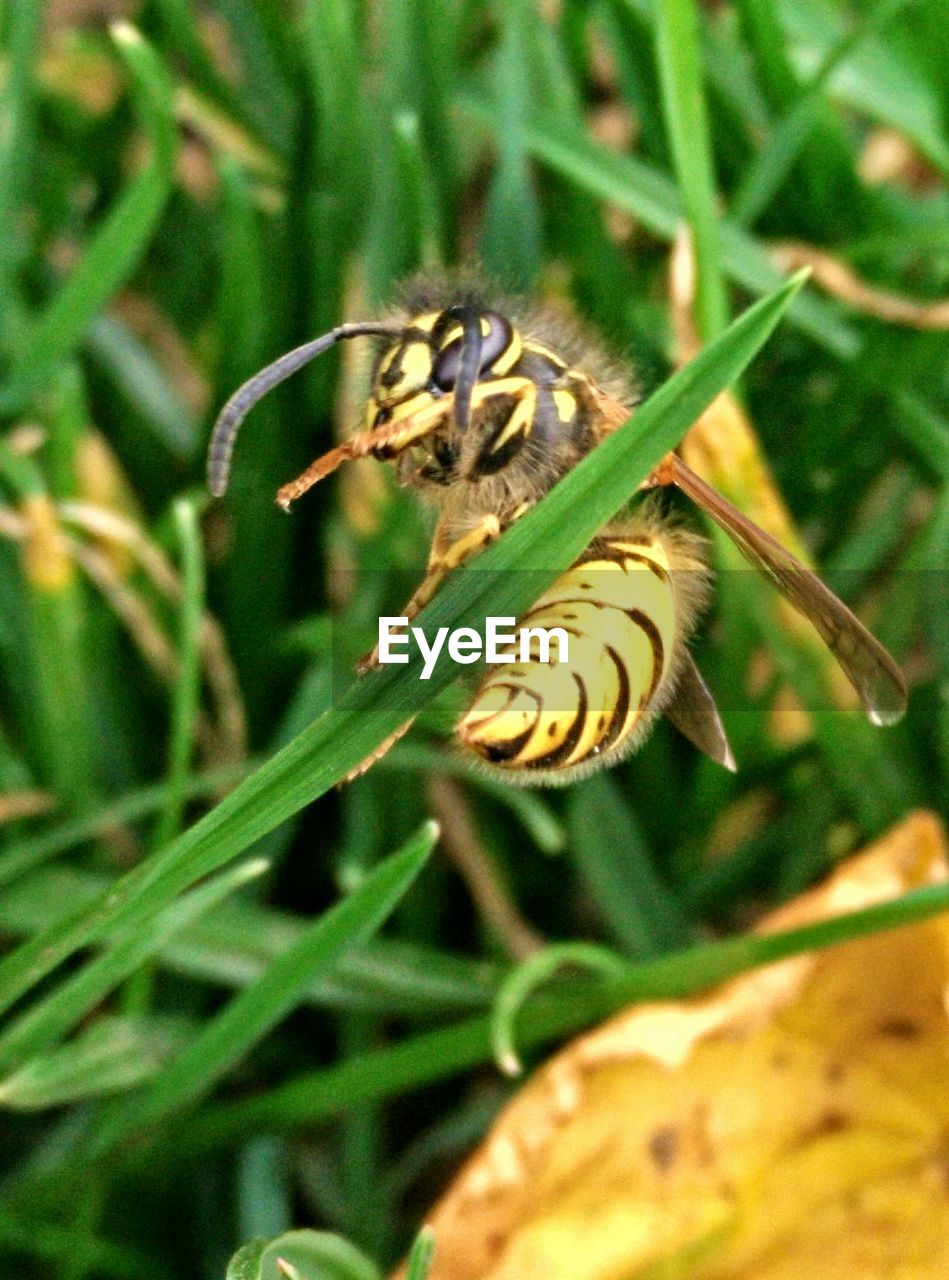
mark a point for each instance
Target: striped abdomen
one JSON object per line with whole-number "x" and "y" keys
{"x": 626, "y": 607}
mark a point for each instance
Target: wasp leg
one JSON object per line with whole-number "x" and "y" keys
{"x": 382, "y": 442}
{"x": 383, "y": 748}
{"x": 514, "y": 386}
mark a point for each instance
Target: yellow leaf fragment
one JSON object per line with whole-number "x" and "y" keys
{"x": 793, "y": 1123}
{"x": 46, "y": 560}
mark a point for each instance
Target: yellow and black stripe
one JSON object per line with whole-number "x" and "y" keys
{"x": 624, "y": 619}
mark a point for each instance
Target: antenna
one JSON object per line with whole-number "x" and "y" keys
{"x": 245, "y": 397}
{"x": 469, "y": 365}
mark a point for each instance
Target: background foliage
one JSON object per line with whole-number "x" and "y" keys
{"x": 179, "y": 202}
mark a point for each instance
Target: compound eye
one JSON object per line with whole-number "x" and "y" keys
{"x": 493, "y": 344}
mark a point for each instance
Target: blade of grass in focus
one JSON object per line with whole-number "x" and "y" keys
{"x": 250, "y": 1015}
{"x": 57, "y": 1014}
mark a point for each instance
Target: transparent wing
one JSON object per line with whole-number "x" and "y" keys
{"x": 693, "y": 711}
{"x": 867, "y": 665}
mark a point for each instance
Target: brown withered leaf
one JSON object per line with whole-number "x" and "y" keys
{"x": 792, "y": 1123}
{"x": 842, "y": 282}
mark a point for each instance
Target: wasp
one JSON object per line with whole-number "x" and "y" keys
{"x": 483, "y": 406}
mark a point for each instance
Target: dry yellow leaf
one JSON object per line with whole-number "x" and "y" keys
{"x": 793, "y": 1123}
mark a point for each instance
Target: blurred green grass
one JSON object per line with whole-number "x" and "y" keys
{"x": 180, "y": 201}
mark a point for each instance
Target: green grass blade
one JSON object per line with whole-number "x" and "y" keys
{"x": 58, "y": 1246}
{"x": 179, "y": 24}
{"x": 123, "y": 238}
{"x": 245, "y": 1264}
{"x": 187, "y": 692}
{"x": 367, "y": 1211}
{"x": 637, "y": 188}
{"x": 529, "y": 807}
{"x": 421, "y": 1255}
{"x": 512, "y": 237}
{"x": 531, "y": 973}
{"x": 825, "y": 170}
{"x": 764, "y": 37}
{"x": 264, "y": 1191}
{"x": 774, "y": 162}
{"x": 30, "y": 852}
{"x": 436, "y": 1055}
{"x": 925, "y": 431}
{"x": 250, "y": 1015}
{"x": 111, "y": 1055}
{"x": 16, "y": 150}
{"x": 56, "y": 1015}
{"x": 647, "y": 194}
{"x": 135, "y": 373}
{"x": 415, "y": 171}
{"x": 314, "y": 1255}
{"x": 265, "y": 95}
{"x": 541, "y": 544}
{"x": 681, "y": 80}
{"x": 233, "y": 944}
{"x": 611, "y": 855}
{"x": 67, "y": 417}
{"x": 874, "y": 81}
{"x": 55, "y": 656}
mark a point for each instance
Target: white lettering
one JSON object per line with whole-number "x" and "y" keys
{"x": 429, "y": 652}
{"x": 543, "y": 636}
{"x": 464, "y": 645}
{"x": 387, "y": 640}
{"x": 496, "y": 636}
